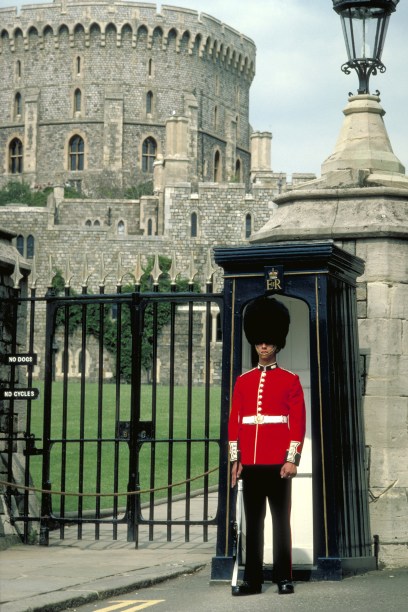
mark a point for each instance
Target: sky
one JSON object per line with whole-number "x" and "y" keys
{"x": 299, "y": 90}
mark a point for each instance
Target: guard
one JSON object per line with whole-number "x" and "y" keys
{"x": 266, "y": 431}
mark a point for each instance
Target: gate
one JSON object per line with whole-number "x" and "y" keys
{"x": 127, "y": 423}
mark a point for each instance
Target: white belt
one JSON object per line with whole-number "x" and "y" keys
{"x": 258, "y": 419}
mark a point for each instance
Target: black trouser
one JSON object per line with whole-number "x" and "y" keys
{"x": 261, "y": 483}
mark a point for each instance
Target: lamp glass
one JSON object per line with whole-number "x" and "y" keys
{"x": 364, "y": 32}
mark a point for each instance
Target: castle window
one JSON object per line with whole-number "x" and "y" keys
{"x": 248, "y": 226}
{"x": 20, "y": 245}
{"x": 217, "y": 167}
{"x": 88, "y": 223}
{"x": 149, "y": 102}
{"x": 16, "y": 156}
{"x": 150, "y": 68}
{"x": 193, "y": 226}
{"x": 150, "y": 227}
{"x": 76, "y": 153}
{"x": 30, "y": 247}
{"x": 78, "y": 65}
{"x": 215, "y": 117}
{"x": 77, "y": 101}
{"x": 121, "y": 228}
{"x": 238, "y": 171}
{"x": 18, "y": 105}
{"x": 97, "y": 223}
{"x": 149, "y": 150}
{"x": 18, "y": 68}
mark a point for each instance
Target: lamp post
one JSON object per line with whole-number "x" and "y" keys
{"x": 365, "y": 25}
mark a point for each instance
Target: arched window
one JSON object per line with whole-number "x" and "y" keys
{"x": 30, "y": 247}
{"x": 193, "y": 226}
{"x": 97, "y": 223}
{"x": 149, "y": 102}
{"x": 217, "y": 167}
{"x": 248, "y": 226}
{"x": 149, "y": 227}
{"x": 18, "y": 105}
{"x": 121, "y": 228}
{"x": 238, "y": 170}
{"x": 16, "y": 156}
{"x": 76, "y": 153}
{"x": 77, "y": 101}
{"x": 20, "y": 244}
{"x": 149, "y": 150}
{"x": 88, "y": 223}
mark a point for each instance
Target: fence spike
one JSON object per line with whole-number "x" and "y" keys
{"x": 156, "y": 272}
{"x": 119, "y": 271}
{"x": 173, "y": 269}
{"x": 34, "y": 275}
{"x": 138, "y": 270}
{"x": 86, "y": 275}
{"x": 192, "y": 270}
{"x": 17, "y": 276}
{"x": 210, "y": 270}
{"x": 103, "y": 275}
{"x": 68, "y": 274}
{"x": 50, "y": 271}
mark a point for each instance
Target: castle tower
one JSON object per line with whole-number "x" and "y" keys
{"x": 99, "y": 80}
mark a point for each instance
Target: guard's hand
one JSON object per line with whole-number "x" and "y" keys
{"x": 288, "y": 470}
{"x": 236, "y": 470}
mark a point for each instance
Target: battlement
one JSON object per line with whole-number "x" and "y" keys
{"x": 196, "y": 33}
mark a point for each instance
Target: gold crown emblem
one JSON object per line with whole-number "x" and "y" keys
{"x": 273, "y": 274}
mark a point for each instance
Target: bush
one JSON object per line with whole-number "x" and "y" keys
{"x": 21, "y": 193}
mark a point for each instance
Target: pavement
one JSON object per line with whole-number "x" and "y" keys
{"x": 73, "y": 572}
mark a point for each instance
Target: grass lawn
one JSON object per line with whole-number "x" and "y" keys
{"x": 103, "y": 458}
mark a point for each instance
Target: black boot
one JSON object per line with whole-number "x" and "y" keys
{"x": 246, "y": 588}
{"x": 286, "y": 587}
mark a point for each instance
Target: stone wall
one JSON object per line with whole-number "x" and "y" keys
{"x": 89, "y": 69}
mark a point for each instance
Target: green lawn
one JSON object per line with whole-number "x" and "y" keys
{"x": 108, "y": 459}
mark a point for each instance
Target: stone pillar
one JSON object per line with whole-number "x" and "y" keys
{"x": 231, "y": 148}
{"x": 176, "y": 160}
{"x": 30, "y": 135}
{"x": 113, "y": 133}
{"x": 361, "y": 202}
{"x": 363, "y": 142}
{"x": 191, "y": 112}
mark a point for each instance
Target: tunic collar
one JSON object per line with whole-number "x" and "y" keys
{"x": 266, "y": 368}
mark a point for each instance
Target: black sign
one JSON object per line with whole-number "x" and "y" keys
{"x": 20, "y": 359}
{"x": 19, "y": 394}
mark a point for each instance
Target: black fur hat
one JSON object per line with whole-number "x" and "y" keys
{"x": 266, "y": 320}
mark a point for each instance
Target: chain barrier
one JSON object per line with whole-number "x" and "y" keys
{"x": 117, "y": 494}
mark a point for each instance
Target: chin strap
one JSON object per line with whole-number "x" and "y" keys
{"x": 292, "y": 455}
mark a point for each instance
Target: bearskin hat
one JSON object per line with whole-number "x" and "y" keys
{"x": 266, "y": 320}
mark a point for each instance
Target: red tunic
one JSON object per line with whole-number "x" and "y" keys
{"x": 257, "y": 393}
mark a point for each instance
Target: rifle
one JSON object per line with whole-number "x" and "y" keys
{"x": 237, "y": 531}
